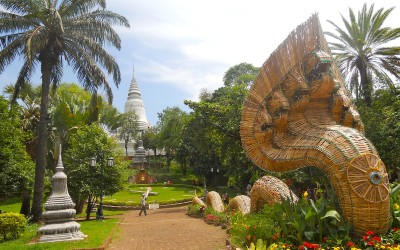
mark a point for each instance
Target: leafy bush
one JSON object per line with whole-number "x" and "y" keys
{"x": 195, "y": 210}
{"x": 12, "y": 225}
{"x": 247, "y": 229}
{"x": 395, "y": 204}
{"x": 214, "y": 216}
{"x": 309, "y": 221}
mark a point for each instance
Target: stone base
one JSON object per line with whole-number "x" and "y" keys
{"x": 62, "y": 237}
{"x": 61, "y": 232}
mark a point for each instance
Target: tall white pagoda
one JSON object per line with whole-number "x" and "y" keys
{"x": 136, "y": 104}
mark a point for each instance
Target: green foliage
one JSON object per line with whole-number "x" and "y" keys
{"x": 216, "y": 217}
{"x": 258, "y": 246}
{"x": 195, "y": 211}
{"x": 12, "y": 225}
{"x": 307, "y": 220}
{"x": 243, "y": 73}
{"x": 382, "y": 126}
{"x": 212, "y": 135}
{"x": 172, "y": 124}
{"x": 84, "y": 180}
{"x": 247, "y": 229}
{"x": 16, "y": 168}
{"x": 395, "y": 204}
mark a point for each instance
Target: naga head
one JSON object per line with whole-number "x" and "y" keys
{"x": 298, "y": 113}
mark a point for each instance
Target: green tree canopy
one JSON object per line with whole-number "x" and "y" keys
{"x": 16, "y": 168}
{"x": 382, "y": 126}
{"x": 171, "y": 123}
{"x": 241, "y": 73}
{"x": 84, "y": 181}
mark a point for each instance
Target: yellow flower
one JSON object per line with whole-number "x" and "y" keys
{"x": 305, "y": 194}
{"x": 396, "y": 206}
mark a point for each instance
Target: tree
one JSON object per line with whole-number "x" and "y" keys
{"x": 84, "y": 181}
{"x": 241, "y": 73}
{"x": 150, "y": 139}
{"x": 212, "y": 136}
{"x": 50, "y": 33}
{"x": 16, "y": 169}
{"x": 363, "y": 53}
{"x": 171, "y": 122}
{"x": 382, "y": 127}
{"x": 129, "y": 129}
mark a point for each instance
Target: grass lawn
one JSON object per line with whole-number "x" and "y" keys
{"x": 11, "y": 205}
{"x": 97, "y": 232}
{"x": 165, "y": 194}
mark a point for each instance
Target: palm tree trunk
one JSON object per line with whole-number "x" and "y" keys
{"x": 41, "y": 148}
{"x": 366, "y": 84}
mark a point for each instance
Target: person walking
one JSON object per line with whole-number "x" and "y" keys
{"x": 143, "y": 203}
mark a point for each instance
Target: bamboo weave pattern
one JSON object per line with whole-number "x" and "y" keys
{"x": 298, "y": 113}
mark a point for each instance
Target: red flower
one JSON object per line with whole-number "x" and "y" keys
{"x": 324, "y": 239}
{"x": 395, "y": 229}
{"x": 370, "y": 243}
{"x": 247, "y": 227}
{"x": 365, "y": 238}
{"x": 350, "y": 244}
{"x": 248, "y": 237}
{"x": 376, "y": 238}
{"x": 369, "y": 233}
{"x": 301, "y": 247}
{"x": 254, "y": 238}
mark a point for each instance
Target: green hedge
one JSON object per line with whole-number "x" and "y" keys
{"x": 12, "y": 225}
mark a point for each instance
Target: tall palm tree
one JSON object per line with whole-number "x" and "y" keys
{"x": 47, "y": 33}
{"x": 363, "y": 53}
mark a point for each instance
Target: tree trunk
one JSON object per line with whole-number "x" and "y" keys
{"x": 26, "y": 202}
{"x": 41, "y": 148}
{"x": 89, "y": 208}
{"x": 366, "y": 84}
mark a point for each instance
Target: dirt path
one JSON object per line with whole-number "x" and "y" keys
{"x": 167, "y": 228}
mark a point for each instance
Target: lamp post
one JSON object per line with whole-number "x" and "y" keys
{"x": 216, "y": 172}
{"x": 110, "y": 163}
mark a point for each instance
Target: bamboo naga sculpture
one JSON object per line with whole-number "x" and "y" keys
{"x": 298, "y": 114}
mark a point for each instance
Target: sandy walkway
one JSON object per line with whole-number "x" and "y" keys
{"x": 167, "y": 228}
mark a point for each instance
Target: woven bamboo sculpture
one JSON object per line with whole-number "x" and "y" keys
{"x": 270, "y": 190}
{"x": 298, "y": 113}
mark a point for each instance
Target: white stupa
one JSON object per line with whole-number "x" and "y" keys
{"x": 136, "y": 104}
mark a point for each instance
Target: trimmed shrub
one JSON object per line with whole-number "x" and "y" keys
{"x": 195, "y": 211}
{"x": 12, "y": 225}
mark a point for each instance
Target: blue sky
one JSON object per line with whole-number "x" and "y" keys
{"x": 179, "y": 47}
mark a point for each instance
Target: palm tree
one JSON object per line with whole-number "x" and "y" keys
{"x": 363, "y": 53}
{"x": 48, "y": 33}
